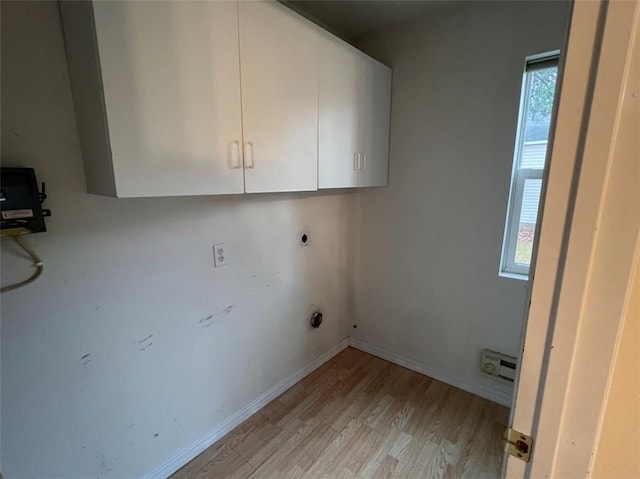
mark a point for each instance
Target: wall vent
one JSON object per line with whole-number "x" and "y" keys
{"x": 498, "y": 365}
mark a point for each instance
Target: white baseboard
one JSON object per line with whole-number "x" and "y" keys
{"x": 481, "y": 390}
{"x": 190, "y": 451}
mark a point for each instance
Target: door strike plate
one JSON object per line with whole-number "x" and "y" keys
{"x": 518, "y": 444}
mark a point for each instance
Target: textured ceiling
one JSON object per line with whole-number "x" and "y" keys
{"x": 353, "y": 19}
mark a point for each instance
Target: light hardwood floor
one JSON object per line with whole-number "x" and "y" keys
{"x": 359, "y": 416}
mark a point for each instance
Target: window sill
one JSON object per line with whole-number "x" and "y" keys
{"x": 520, "y": 276}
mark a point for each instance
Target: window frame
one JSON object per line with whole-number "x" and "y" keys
{"x": 508, "y": 267}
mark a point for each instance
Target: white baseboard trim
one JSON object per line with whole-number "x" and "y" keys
{"x": 190, "y": 451}
{"x": 494, "y": 395}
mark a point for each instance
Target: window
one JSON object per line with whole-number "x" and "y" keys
{"x": 534, "y": 120}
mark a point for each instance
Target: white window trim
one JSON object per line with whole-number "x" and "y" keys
{"x": 513, "y": 224}
{"x": 508, "y": 267}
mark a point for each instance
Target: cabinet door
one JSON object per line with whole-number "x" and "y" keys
{"x": 339, "y": 103}
{"x": 279, "y": 98}
{"x": 171, "y": 79}
{"x": 375, "y": 111}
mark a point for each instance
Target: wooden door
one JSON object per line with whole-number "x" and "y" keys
{"x": 582, "y": 262}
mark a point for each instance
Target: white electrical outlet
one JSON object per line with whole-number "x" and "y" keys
{"x": 220, "y": 255}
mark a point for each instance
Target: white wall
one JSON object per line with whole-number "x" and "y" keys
{"x": 429, "y": 248}
{"x": 118, "y": 271}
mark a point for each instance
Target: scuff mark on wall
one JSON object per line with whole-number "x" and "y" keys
{"x": 86, "y": 359}
{"x": 204, "y": 320}
{"x": 208, "y": 321}
{"x": 145, "y": 343}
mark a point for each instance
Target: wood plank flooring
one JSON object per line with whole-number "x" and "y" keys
{"x": 359, "y": 416}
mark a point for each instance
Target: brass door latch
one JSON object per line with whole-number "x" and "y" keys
{"x": 518, "y": 444}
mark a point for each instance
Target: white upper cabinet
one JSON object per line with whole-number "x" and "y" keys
{"x": 375, "y": 114}
{"x": 339, "y": 118}
{"x": 355, "y": 103}
{"x": 220, "y": 97}
{"x": 157, "y": 93}
{"x": 279, "y": 65}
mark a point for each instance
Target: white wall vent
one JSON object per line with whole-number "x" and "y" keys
{"x": 498, "y": 365}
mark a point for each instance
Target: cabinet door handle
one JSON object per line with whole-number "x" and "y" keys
{"x": 364, "y": 160}
{"x": 356, "y": 161}
{"x": 248, "y": 146}
{"x": 236, "y": 162}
